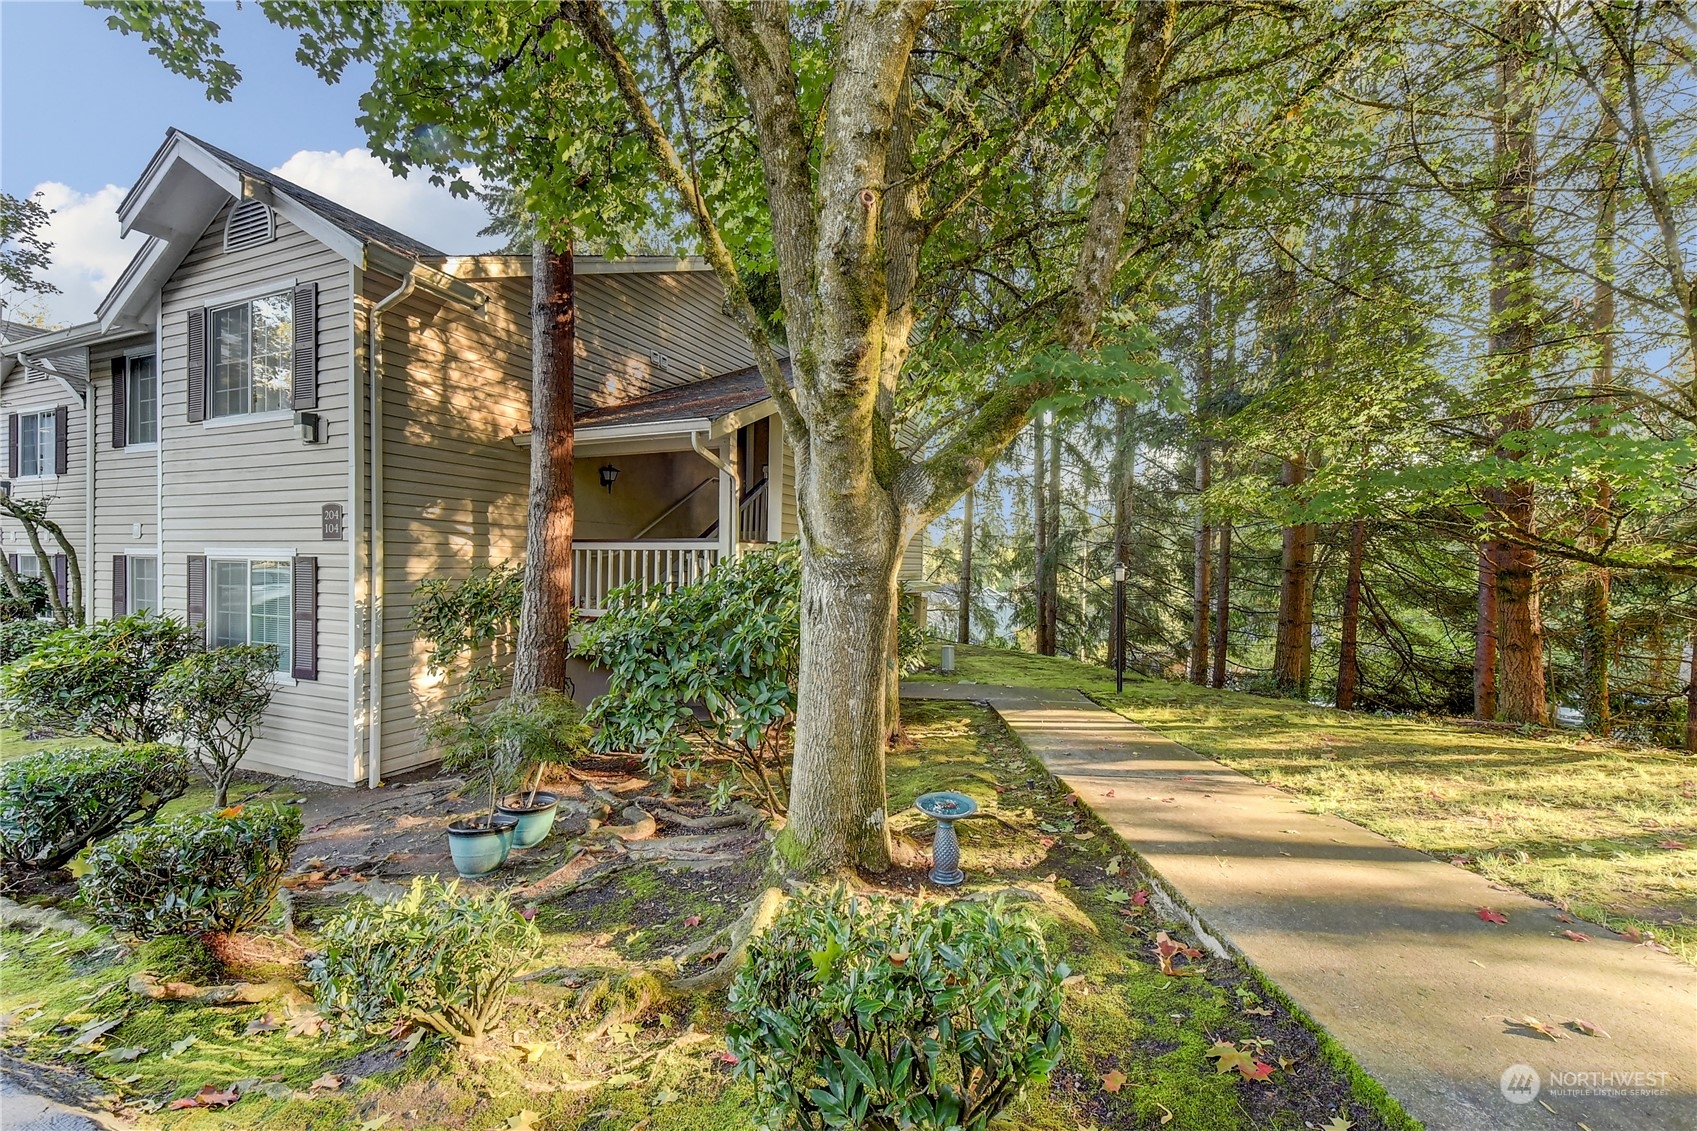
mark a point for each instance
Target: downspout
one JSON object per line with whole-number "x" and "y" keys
{"x": 726, "y": 522}
{"x": 374, "y": 624}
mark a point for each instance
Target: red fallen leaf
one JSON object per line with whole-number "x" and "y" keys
{"x": 1046, "y": 841}
{"x": 1259, "y": 1072}
{"x": 1632, "y": 934}
{"x": 183, "y": 1104}
{"x": 1113, "y": 1081}
{"x": 1672, "y": 845}
{"x": 1576, "y": 936}
{"x": 1460, "y": 861}
{"x": 1140, "y": 897}
{"x": 728, "y": 1058}
{"x": 1490, "y": 916}
{"x": 528, "y": 914}
{"x": 1110, "y": 793}
{"x": 693, "y": 921}
{"x": 319, "y": 828}
{"x": 1072, "y": 799}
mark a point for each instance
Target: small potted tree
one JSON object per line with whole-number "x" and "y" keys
{"x": 471, "y": 744}
{"x": 543, "y": 727}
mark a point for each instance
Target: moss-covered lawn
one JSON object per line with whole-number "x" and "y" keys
{"x": 593, "y": 1043}
{"x": 1607, "y": 830}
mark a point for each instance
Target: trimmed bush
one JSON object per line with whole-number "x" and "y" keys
{"x": 437, "y": 958}
{"x": 18, "y": 638}
{"x": 99, "y": 679}
{"x": 54, "y": 803}
{"x": 216, "y": 700}
{"x": 856, "y": 1012}
{"x": 206, "y": 872}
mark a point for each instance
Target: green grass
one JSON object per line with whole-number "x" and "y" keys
{"x": 1557, "y": 815}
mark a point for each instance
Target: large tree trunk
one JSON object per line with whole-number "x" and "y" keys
{"x": 1124, "y": 478}
{"x": 1052, "y": 543}
{"x": 1222, "y": 604}
{"x": 1040, "y": 520}
{"x": 1349, "y": 665}
{"x": 1202, "y": 551}
{"x": 1520, "y": 641}
{"x": 965, "y": 633}
{"x": 1293, "y": 651}
{"x": 545, "y": 618}
{"x": 1691, "y": 694}
{"x": 1485, "y": 635}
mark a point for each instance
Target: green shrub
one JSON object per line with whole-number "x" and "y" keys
{"x": 873, "y": 1013}
{"x": 729, "y": 644}
{"x": 435, "y": 957}
{"x": 99, "y": 679}
{"x": 55, "y": 802}
{"x": 18, "y": 638}
{"x": 216, "y": 700}
{"x": 214, "y": 871}
{"x": 28, "y": 603}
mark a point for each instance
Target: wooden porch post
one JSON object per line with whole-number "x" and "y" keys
{"x": 776, "y": 461}
{"x": 729, "y": 504}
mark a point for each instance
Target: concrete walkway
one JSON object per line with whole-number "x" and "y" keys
{"x": 1379, "y": 944}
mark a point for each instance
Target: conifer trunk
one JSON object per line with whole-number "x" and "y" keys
{"x": 1124, "y": 469}
{"x": 1485, "y": 636}
{"x": 1040, "y": 520}
{"x": 1349, "y": 667}
{"x": 1691, "y": 694}
{"x": 1222, "y": 604}
{"x": 1052, "y": 542}
{"x": 1294, "y": 647}
{"x": 545, "y": 616}
{"x": 965, "y": 633}
{"x": 1203, "y": 543}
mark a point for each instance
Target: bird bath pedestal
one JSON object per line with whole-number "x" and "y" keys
{"x": 946, "y": 808}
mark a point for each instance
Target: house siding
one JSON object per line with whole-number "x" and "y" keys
{"x": 626, "y": 322}
{"x": 256, "y": 485}
{"x": 126, "y": 510}
{"x": 24, "y": 394}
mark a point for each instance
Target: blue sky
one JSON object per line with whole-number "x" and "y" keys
{"x": 82, "y": 108}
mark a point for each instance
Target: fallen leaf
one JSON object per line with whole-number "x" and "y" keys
{"x": 665, "y": 1096}
{"x": 1117, "y": 896}
{"x": 1576, "y": 936}
{"x": 1113, "y": 1082}
{"x": 532, "y": 1051}
{"x": 94, "y": 1030}
{"x": 1166, "y": 1113}
{"x": 1536, "y": 1026}
{"x": 232, "y": 811}
{"x": 1491, "y": 916}
{"x": 524, "y": 1121}
{"x": 1109, "y": 793}
{"x": 182, "y": 1046}
{"x": 693, "y": 921}
{"x": 1227, "y": 1056}
{"x": 1586, "y": 1027}
{"x": 126, "y": 1053}
{"x": 727, "y": 1057}
{"x": 1259, "y": 1012}
{"x": 266, "y": 1024}
{"x": 1140, "y": 897}
{"x": 329, "y": 1082}
{"x": 1338, "y": 1123}
{"x": 1459, "y": 862}
{"x": 374, "y": 1124}
{"x": 1671, "y": 845}
{"x": 1258, "y": 1071}
{"x": 305, "y": 1023}
{"x": 1112, "y": 868}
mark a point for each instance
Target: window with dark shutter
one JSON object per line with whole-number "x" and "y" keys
{"x": 306, "y": 346}
{"x": 120, "y": 402}
{"x": 305, "y": 650}
{"x": 12, "y": 462}
{"x": 197, "y": 592}
{"x": 120, "y": 585}
{"x": 62, "y": 578}
{"x": 61, "y": 440}
{"x": 197, "y": 365}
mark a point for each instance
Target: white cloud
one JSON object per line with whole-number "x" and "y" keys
{"x": 89, "y": 255}
{"x": 359, "y": 181}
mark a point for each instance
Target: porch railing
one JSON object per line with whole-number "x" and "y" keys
{"x": 600, "y": 567}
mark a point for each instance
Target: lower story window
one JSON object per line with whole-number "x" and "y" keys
{"x": 142, "y": 578}
{"x": 253, "y": 603}
{"x": 29, "y": 565}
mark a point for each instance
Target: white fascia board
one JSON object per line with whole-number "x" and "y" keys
{"x": 614, "y": 433}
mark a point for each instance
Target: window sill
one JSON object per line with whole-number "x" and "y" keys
{"x": 36, "y": 479}
{"x": 143, "y": 449}
{"x": 245, "y": 418}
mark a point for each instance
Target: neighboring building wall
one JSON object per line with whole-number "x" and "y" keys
{"x": 31, "y": 393}
{"x": 640, "y": 332}
{"x": 456, "y": 390}
{"x": 126, "y": 480}
{"x": 252, "y": 484}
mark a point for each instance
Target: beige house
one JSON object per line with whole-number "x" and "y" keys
{"x": 286, "y": 415}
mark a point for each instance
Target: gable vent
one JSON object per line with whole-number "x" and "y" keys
{"x": 250, "y": 225}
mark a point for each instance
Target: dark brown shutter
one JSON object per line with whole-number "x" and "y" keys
{"x": 305, "y": 664}
{"x": 120, "y": 585}
{"x": 12, "y": 560}
{"x": 12, "y": 458}
{"x": 197, "y": 593}
{"x": 62, "y": 578}
{"x": 120, "y": 402}
{"x": 61, "y": 440}
{"x": 306, "y": 346}
{"x": 197, "y": 365}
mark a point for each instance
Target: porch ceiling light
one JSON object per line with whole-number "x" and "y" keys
{"x": 609, "y": 474}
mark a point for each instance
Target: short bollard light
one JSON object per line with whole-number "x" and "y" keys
{"x": 946, "y": 808}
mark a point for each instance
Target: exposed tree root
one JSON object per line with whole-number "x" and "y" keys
{"x": 754, "y": 920}
{"x": 639, "y": 825}
{"x": 741, "y": 816}
{"x": 236, "y": 993}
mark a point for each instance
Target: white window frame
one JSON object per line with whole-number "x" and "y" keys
{"x": 130, "y": 358}
{"x": 34, "y": 569}
{"x": 44, "y": 420}
{"x": 247, "y": 556}
{"x": 284, "y": 292}
{"x": 130, "y": 559}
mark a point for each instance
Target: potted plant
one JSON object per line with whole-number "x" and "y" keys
{"x": 472, "y": 744}
{"x": 540, "y": 727}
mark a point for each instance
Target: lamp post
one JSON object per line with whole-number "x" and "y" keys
{"x": 1118, "y": 635}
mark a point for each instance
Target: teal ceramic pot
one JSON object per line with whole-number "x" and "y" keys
{"x": 480, "y": 849}
{"x": 535, "y": 821}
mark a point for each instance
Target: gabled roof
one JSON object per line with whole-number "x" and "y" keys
{"x": 72, "y": 366}
{"x": 705, "y": 401}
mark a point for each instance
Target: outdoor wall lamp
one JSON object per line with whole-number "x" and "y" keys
{"x": 609, "y": 474}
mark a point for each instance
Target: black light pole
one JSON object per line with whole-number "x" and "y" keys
{"x": 1119, "y": 628}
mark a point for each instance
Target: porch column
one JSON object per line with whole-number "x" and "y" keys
{"x": 777, "y": 463}
{"x": 729, "y": 504}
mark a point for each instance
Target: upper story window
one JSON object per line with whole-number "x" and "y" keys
{"x": 252, "y": 362}
{"x": 141, "y": 400}
{"x": 36, "y": 446}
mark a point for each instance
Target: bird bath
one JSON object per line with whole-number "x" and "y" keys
{"x": 946, "y": 808}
